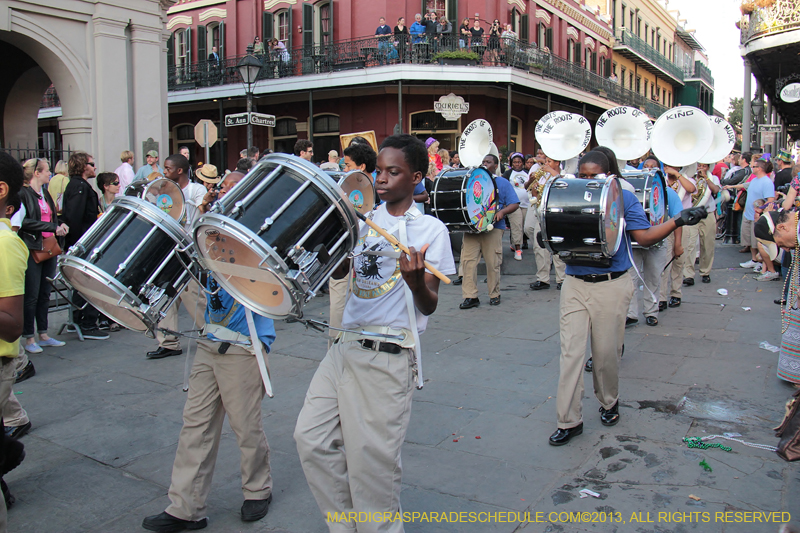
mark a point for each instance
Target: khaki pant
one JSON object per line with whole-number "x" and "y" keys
{"x": 8, "y": 373}
{"x": 219, "y": 384}
{"x": 337, "y": 289}
{"x": 594, "y": 312}
{"x": 672, "y": 279}
{"x": 490, "y": 244}
{"x": 517, "y": 221}
{"x": 194, "y": 300}
{"x": 748, "y": 235}
{"x": 706, "y": 231}
{"x": 13, "y": 413}
{"x": 650, "y": 262}
{"x": 350, "y": 432}
{"x": 542, "y": 255}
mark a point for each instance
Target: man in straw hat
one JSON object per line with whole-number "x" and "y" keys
{"x": 209, "y": 175}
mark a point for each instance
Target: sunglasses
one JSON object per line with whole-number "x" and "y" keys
{"x": 115, "y": 183}
{"x": 90, "y": 164}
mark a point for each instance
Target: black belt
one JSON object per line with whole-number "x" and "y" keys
{"x": 388, "y": 347}
{"x": 597, "y": 278}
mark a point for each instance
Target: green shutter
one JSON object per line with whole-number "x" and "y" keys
{"x": 524, "y": 28}
{"x": 291, "y": 31}
{"x": 171, "y": 51}
{"x": 548, "y": 38}
{"x": 221, "y": 48}
{"x": 452, "y": 15}
{"x": 202, "y": 54}
{"x": 308, "y": 26}
{"x": 189, "y": 46}
{"x": 331, "y": 25}
{"x": 266, "y": 27}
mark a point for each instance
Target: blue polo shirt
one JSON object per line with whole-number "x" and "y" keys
{"x": 635, "y": 218}
{"x": 674, "y": 203}
{"x": 224, "y": 310}
{"x": 506, "y": 195}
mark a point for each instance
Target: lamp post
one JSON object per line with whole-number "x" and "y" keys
{"x": 249, "y": 67}
{"x": 757, "y": 107}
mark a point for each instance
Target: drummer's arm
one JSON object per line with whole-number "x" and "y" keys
{"x": 510, "y": 208}
{"x": 650, "y": 236}
{"x": 422, "y": 197}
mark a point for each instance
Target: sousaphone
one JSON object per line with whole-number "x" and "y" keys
{"x": 475, "y": 143}
{"x": 626, "y": 131}
{"x": 563, "y": 135}
{"x": 681, "y": 136}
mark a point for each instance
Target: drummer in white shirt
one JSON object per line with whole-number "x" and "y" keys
{"x": 706, "y": 230}
{"x": 176, "y": 168}
{"x": 517, "y": 176}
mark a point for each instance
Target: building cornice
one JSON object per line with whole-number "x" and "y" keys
{"x": 579, "y": 18}
{"x": 180, "y": 19}
{"x": 194, "y": 4}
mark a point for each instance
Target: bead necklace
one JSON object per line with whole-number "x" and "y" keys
{"x": 793, "y": 280}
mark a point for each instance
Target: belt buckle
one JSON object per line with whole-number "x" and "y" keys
{"x": 369, "y": 344}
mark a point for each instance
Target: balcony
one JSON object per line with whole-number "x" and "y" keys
{"x": 700, "y": 71}
{"x": 781, "y": 16}
{"x": 373, "y": 52}
{"x": 635, "y": 49}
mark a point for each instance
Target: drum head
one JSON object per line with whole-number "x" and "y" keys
{"x": 103, "y": 294}
{"x": 657, "y": 200}
{"x": 613, "y": 213}
{"x": 237, "y": 266}
{"x": 481, "y": 199}
{"x": 358, "y": 188}
{"x": 166, "y": 195}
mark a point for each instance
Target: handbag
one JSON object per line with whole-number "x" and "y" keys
{"x": 789, "y": 430}
{"x": 50, "y": 249}
{"x": 741, "y": 201}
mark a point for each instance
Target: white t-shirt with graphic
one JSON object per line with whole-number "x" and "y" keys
{"x": 378, "y": 297}
{"x": 518, "y": 179}
{"x": 193, "y": 193}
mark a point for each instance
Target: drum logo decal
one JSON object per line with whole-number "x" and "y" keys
{"x": 357, "y": 199}
{"x": 656, "y": 205}
{"x": 212, "y": 232}
{"x": 614, "y": 218}
{"x": 477, "y": 192}
{"x": 376, "y": 271}
{"x": 164, "y": 202}
{"x": 587, "y": 196}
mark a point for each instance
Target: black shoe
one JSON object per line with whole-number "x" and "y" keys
{"x": 28, "y": 372}
{"x": 688, "y": 282}
{"x": 539, "y": 286}
{"x": 485, "y": 280}
{"x": 589, "y": 366}
{"x": 162, "y": 353}
{"x": 469, "y": 303}
{"x": 494, "y": 301}
{"x": 14, "y": 455}
{"x": 674, "y": 302}
{"x": 631, "y": 321}
{"x": 458, "y": 281}
{"x": 558, "y": 285}
{"x": 662, "y": 306}
{"x": 103, "y": 325}
{"x": 780, "y": 302}
{"x": 524, "y": 245}
{"x": 94, "y": 334}
{"x": 9, "y": 498}
{"x": 611, "y": 416}
{"x": 253, "y": 510}
{"x": 166, "y": 523}
{"x": 651, "y": 320}
{"x": 16, "y": 432}
{"x": 706, "y": 279}
{"x": 563, "y": 436}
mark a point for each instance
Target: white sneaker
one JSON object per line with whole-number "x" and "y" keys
{"x": 768, "y": 276}
{"x": 758, "y": 268}
{"x": 518, "y": 255}
{"x": 51, "y": 342}
{"x": 33, "y": 348}
{"x": 749, "y": 264}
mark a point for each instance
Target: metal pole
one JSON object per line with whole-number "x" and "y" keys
{"x": 205, "y": 141}
{"x": 400, "y": 104}
{"x": 508, "y": 120}
{"x": 249, "y": 125}
{"x": 222, "y": 164}
{"x": 311, "y": 117}
{"x": 746, "y": 117}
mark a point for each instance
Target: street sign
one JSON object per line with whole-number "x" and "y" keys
{"x": 236, "y": 119}
{"x": 769, "y": 128}
{"x": 205, "y": 137}
{"x": 260, "y": 119}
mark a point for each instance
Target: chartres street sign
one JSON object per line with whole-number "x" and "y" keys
{"x": 243, "y": 119}
{"x": 260, "y": 119}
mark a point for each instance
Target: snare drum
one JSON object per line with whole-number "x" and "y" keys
{"x": 581, "y": 219}
{"x": 651, "y": 190}
{"x": 465, "y": 199}
{"x": 163, "y": 193}
{"x": 277, "y": 236}
{"x": 358, "y": 188}
{"x": 131, "y": 264}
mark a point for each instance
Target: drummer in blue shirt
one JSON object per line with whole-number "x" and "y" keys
{"x": 594, "y": 304}
{"x": 487, "y": 243}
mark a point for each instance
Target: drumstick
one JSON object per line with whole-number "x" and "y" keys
{"x": 392, "y": 240}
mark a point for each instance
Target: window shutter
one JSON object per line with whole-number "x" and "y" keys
{"x": 201, "y": 43}
{"x": 189, "y": 46}
{"x": 608, "y": 71}
{"x": 266, "y": 27}
{"x": 308, "y": 26}
{"x": 330, "y": 25}
{"x": 523, "y": 31}
{"x": 221, "y": 49}
{"x": 290, "y": 32}
{"x": 548, "y": 38}
{"x": 424, "y": 8}
{"x": 171, "y": 51}
{"x": 452, "y": 13}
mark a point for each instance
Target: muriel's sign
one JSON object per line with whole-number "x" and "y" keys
{"x": 791, "y": 93}
{"x": 451, "y": 107}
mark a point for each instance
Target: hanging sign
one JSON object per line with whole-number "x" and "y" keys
{"x": 451, "y": 107}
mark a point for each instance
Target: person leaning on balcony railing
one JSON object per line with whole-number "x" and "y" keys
{"x": 417, "y": 30}
{"x": 509, "y": 39}
{"x": 382, "y": 34}
{"x": 401, "y": 36}
{"x": 258, "y": 46}
{"x": 463, "y": 33}
{"x": 444, "y": 30}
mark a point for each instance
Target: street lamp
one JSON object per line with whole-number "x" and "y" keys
{"x": 756, "y": 107}
{"x": 249, "y": 67}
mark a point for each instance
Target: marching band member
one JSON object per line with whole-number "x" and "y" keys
{"x": 517, "y": 176}
{"x": 594, "y": 302}
{"x": 225, "y": 379}
{"x": 356, "y": 413}
{"x": 487, "y": 243}
{"x": 535, "y": 185}
{"x": 671, "y": 279}
{"x": 706, "y": 230}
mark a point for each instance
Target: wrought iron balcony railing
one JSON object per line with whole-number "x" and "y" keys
{"x": 782, "y": 15}
{"x": 375, "y": 51}
{"x": 635, "y": 43}
{"x": 701, "y": 71}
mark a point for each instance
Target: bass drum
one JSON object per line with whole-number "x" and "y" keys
{"x": 465, "y": 199}
{"x": 358, "y": 188}
{"x": 276, "y": 238}
{"x": 582, "y": 219}
{"x": 163, "y": 193}
{"x": 131, "y": 264}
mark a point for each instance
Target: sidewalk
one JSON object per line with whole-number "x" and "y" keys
{"x": 106, "y": 422}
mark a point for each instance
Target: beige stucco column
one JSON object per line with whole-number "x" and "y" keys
{"x": 148, "y": 64}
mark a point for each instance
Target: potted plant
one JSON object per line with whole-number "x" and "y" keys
{"x": 457, "y": 57}
{"x": 765, "y": 3}
{"x": 747, "y": 7}
{"x": 535, "y": 68}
